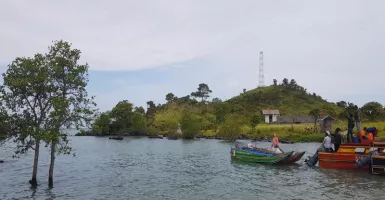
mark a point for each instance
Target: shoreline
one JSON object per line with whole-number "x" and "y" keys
{"x": 252, "y": 139}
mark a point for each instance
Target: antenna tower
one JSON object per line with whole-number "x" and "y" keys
{"x": 261, "y": 74}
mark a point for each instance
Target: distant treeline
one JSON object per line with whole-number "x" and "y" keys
{"x": 197, "y": 115}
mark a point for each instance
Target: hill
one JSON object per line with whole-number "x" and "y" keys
{"x": 229, "y": 119}
{"x": 289, "y": 99}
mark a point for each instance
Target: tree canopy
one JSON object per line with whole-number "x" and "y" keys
{"x": 203, "y": 92}
{"x": 44, "y": 94}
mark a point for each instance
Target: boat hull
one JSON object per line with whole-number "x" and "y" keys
{"x": 295, "y": 157}
{"x": 328, "y": 160}
{"x": 378, "y": 165}
{"x": 246, "y": 156}
{"x": 291, "y": 159}
{"x": 348, "y": 154}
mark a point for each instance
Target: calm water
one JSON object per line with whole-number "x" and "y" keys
{"x": 141, "y": 168}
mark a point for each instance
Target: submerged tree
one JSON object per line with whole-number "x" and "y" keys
{"x": 26, "y": 94}
{"x": 46, "y": 93}
{"x": 4, "y": 124}
{"x": 69, "y": 100}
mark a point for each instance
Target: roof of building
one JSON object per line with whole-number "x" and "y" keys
{"x": 270, "y": 112}
{"x": 324, "y": 117}
{"x": 291, "y": 119}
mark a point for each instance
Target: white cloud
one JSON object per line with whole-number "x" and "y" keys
{"x": 333, "y": 48}
{"x": 130, "y": 35}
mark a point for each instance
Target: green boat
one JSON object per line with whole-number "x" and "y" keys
{"x": 245, "y": 156}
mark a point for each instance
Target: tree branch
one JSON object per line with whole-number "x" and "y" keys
{"x": 32, "y": 108}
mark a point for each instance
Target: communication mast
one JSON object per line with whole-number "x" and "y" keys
{"x": 261, "y": 74}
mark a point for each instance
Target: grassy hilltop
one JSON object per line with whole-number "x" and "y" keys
{"x": 289, "y": 99}
{"x": 238, "y": 117}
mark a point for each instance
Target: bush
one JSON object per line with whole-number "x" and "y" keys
{"x": 83, "y": 132}
{"x": 152, "y": 131}
{"x": 232, "y": 127}
{"x": 190, "y": 125}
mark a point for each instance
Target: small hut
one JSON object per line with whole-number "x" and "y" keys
{"x": 270, "y": 115}
{"x": 326, "y": 123}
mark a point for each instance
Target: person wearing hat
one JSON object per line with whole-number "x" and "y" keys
{"x": 327, "y": 142}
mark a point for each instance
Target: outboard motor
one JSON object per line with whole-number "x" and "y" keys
{"x": 312, "y": 160}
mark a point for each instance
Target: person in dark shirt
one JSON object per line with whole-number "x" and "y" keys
{"x": 357, "y": 118}
{"x": 337, "y": 139}
{"x": 350, "y": 127}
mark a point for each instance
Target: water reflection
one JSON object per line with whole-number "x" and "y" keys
{"x": 141, "y": 168}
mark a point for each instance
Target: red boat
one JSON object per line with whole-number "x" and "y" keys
{"x": 348, "y": 154}
{"x": 378, "y": 164}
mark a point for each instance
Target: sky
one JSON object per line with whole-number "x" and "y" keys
{"x": 142, "y": 50}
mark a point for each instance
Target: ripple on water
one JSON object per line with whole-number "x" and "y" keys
{"x": 141, "y": 168}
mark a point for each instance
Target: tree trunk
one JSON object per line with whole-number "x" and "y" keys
{"x": 33, "y": 181}
{"x": 50, "y": 175}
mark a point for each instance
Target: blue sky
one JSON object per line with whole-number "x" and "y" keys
{"x": 141, "y": 50}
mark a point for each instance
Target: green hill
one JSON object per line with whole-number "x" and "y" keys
{"x": 241, "y": 114}
{"x": 289, "y": 99}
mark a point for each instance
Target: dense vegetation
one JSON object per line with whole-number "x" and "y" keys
{"x": 240, "y": 115}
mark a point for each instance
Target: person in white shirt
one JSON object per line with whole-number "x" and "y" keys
{"x": 327, "y": 142}
{"x": 325, "y": 147}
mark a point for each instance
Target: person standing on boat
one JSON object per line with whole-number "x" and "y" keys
{"x": 275, "y": 144}
{"x": 357, "y": 118}
{"x": 350, "y": 128}
{"x": 337, "y": 139}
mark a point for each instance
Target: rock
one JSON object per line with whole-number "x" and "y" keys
{"x": 156, "y": 136}
{"x": 116, "y": 138}
{"x": 243, "y": 137}
{"x": 286, "y": 142}
{"x": 172, "y": 137}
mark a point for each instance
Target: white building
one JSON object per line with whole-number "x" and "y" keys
{"x": 270, "y": 115}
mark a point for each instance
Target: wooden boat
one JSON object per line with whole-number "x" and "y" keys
{"x": 347, "y": 155}
{"x": 292, "y": 159}
{"x": 266, "y": 158}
